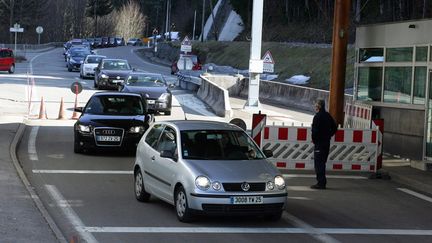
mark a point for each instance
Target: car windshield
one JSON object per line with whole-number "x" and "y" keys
{"x": 218, "y": 145}
{"x": 94, "y": 59}
{"x": 79, "y": 54}
{"x": 116, "y": 65}
{"x": 145, "y": 80}
{"x": 115, "y": 105}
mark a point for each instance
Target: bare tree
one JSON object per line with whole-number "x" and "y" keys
{"x": 130, "y": 21}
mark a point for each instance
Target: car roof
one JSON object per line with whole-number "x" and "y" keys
{"x": 114, "y": 59}
{"x": 116, "y": 94}
{"x": 184, "y": 125}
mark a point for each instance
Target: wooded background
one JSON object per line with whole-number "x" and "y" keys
{"x": 284, "y": 20}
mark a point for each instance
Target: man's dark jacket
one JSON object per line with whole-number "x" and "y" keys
{"x": 323, "y": 127}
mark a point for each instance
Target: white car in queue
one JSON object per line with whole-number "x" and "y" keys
{"x": 87, "y": 69}
{"x": 208, "y": 168}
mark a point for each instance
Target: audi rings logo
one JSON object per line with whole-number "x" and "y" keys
{"x": 245, "y": 186}
{"x": 108, "y": 132}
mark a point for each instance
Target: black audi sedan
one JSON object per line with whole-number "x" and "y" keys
{"x": 111, "y": 120}
{"x": 152, "y": 87}
{"x": 110, "y": 73}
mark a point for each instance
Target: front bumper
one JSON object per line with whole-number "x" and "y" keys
{"x": 221, "y": 203}
{"x": 108, "y": 83}
{"x": 159, "y": 106}
{"x": 87, "y": 141}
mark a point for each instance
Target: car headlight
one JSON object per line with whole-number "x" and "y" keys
{"x": 270, "y": 185}
{"x": 104, "y": 76}
{"x": 164, "y": 97}
{"x": 202, "y": 182}
{"x": 279, "y": 182}
{"x": 137, "y": 129}
{"x": 216, "y": 185}
{"x": 84, "y": 128}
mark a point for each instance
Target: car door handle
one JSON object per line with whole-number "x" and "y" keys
{"x": 153, "y": 157}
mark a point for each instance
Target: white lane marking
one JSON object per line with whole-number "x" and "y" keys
{"x": 32, "y": 144}
{"x": 416, "y": 194}
{"x": 300, "y": 188}
{"x": 316, "y": 233}
{"x": 69, "y": 213}
{"x": 240, "y": 230}
{"x": 328, "y": 176}
{"x": 102, "y": 172}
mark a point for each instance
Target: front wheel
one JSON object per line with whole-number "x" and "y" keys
{"x": 77, "y": 148}
{"x": 11, "y": 69}
{"x": 183, "y": 211}
{"x": 140, "y": 192}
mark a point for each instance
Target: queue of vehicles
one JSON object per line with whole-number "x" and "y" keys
{"x": 199, "y": 167}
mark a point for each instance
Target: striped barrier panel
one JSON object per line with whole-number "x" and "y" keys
{"x": 358, "y": 115}
{"x": 350, "y": 149}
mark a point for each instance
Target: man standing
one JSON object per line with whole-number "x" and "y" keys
{"x": 323, "y": 128}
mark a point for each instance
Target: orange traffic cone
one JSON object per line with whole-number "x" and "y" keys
{"x": 42, "y": 111}
{"x": 61, "y": 115}
{"x": 75, "y": 115}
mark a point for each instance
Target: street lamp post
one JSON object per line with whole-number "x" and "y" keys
{"x": 255, "y": 62}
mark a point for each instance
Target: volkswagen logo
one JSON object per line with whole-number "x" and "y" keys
{"x": 118, "y": 77}
{"x": 108, "y": 132}
{"x": 245, "y": 186}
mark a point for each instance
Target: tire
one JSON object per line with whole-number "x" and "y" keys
{"x": 275, "y": 216}
{"x": 184, "y": 213}
{"x": 167, "y": 113}
{"x": 77, "y": 148}
{"x": 69, "y": 69}
{"x": 140, "y": 192}
{"x": 95, "y": 85}
{"x": 12, "y": 69}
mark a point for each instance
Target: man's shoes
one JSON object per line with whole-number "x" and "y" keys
{"x": 318, "y": 187}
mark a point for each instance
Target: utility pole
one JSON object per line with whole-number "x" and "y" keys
{"x": 202, "y": 22}
{"x": 339, "y": 53}
{"x": 255, "y": 62}
{"x": 95, "y": 16}
{"x": 167, "y": 17}
{"x": 193, "y": 32}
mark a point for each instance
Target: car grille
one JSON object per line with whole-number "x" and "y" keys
{"x": 236, "y": 187}
{"x": 108, "y": 136}
{"x": 226, "y": 208}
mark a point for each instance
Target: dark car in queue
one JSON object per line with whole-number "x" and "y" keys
{"x": 153, "y": 87}
{"x": 105, "y": 42}
{"x": 111, "y": 120}
{"x": 207, "y": 167}
{"x": 75, "y": 60}
{"x": 97, "y": 42}
{"x": 120, "y": 41}
{"x": 110, "y": 73}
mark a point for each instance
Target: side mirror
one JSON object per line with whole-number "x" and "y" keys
{"x": 268, "y": 153}
{"x": 171, "y": 86}
{"x": 169, "y": 154}
{"x": 96, "y": 69}
{"x": 79, "y": 109}
{"x": 134, "y": 69}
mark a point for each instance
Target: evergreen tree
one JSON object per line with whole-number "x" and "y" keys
{"x": 98, "y": 8}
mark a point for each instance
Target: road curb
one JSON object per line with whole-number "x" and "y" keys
{"x": 33, "y": 195}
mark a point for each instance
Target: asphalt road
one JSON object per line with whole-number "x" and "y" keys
{"x": 91, "y": 196}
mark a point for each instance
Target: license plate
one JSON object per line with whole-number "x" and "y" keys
{"x": 117, "y": 81}
{"x": 151, "y": 102}
{"x": 108, "y": 138}
{"x": 247, "y": 200}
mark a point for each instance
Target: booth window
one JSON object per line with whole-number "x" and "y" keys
{"x": 420, "y": 75}
{"x": 371, "y": 55}
{"x": 401, "y": 54}
{"x": 397, "y": 84}
{"x": 369, "y": 83}
{"x": 421, "y": 53}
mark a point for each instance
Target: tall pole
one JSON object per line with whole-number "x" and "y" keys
{"x": 193, "y": 32}
{"x": 202, "y": 21}
{"x": 166, "y": 18}
{"x": 339, "y": 53}
{"x": 255, "y": 62}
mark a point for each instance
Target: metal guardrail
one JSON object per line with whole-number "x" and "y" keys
{"x": 25, "y": 47}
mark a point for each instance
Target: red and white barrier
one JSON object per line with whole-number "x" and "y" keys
{"x": 358, "y": 115}
{"x": 350, "y": 149}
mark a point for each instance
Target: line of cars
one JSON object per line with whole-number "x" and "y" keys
{"x": 200, "y": 167}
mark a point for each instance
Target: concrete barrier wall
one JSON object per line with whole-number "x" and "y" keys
{"x": 293, "y": 96}
{"x": 215, "y": 96}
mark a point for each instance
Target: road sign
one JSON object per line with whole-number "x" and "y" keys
{"x": 268, "y": 62}
{"x": 16, "y": 28}
{"x": 186, "y": 45}
{"x": 39, "y": 29}
{"x": 76, "y": 88}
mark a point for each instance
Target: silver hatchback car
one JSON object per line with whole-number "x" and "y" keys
{"x": 207, "y": 167}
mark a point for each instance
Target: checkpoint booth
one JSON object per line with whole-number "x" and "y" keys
{"x": 393, "y": 75}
